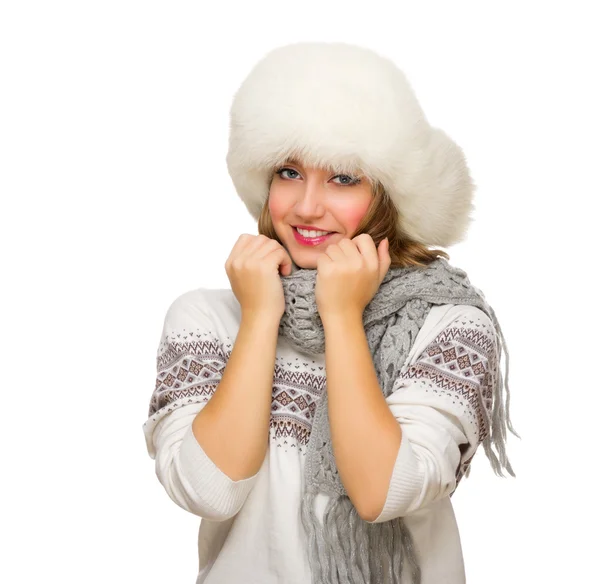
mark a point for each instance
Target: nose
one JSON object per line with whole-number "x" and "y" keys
{"x": 311, "y": 201}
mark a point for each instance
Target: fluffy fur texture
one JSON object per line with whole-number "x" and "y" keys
{"x": 346, "y": 108}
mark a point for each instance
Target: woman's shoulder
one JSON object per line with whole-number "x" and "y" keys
{"x": 455, "y": 314}
{"x": 212, "y": 311}
{"x": 443, "y": 320}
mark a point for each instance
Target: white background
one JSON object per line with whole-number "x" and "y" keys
{"x": 116, "y": 199}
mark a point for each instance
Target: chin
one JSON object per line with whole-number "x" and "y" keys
{"x": 306, "y": 265}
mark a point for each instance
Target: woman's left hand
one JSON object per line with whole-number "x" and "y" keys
{"x": 349, "y": 274}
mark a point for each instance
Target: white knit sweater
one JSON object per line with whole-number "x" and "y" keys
{"x": 251, "y": 531}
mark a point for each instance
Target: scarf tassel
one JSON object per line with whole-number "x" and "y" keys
{"x": 348, "y": 550}
{"x": 500, "y": 412}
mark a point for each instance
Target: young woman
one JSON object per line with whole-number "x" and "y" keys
{"x": 320, "y": 414}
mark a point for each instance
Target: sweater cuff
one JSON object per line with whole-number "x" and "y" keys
{"x": 406, "y": 484}
{"x": 216, "y": 489}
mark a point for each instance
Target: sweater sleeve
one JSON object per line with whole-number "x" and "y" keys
{"x": 190, "y": 360}
{"x": 442, "y": 399}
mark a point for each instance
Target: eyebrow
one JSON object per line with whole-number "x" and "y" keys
{"x": 293, "y": 161}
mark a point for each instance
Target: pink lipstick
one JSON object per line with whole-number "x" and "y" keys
{"x": 310, "y": 241}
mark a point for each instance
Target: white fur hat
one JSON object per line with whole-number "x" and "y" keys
{"x": 344, "y": 107}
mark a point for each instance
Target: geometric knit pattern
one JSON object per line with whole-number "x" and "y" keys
{"x": 454, "y": 365}
{"x": 457, "y": 363}
{"x": 297, "y": 388}
{"x": 460, "y": 365}
{"x": 189, "y": 365}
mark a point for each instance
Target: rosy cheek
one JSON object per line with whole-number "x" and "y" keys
{"x": 276, "y": 207}
{"x": 355, "y": 215}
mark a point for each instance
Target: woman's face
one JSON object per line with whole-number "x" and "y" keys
{"x": 318, "y": 200}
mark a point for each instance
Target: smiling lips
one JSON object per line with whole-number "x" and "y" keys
{"x": 310, "y": 241}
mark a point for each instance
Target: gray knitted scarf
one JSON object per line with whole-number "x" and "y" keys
{"x": 347, "y": 549}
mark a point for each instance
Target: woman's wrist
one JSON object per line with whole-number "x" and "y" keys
{"x": 264, "y": 319}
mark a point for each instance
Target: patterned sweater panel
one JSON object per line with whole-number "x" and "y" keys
{"x": 442, "y": 399}
{"x": 193, "y": 351}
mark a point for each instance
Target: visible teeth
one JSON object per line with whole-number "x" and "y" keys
{"x": 311, "y": 233}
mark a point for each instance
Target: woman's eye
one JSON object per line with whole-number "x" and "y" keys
{"x": 281, "y": 171}
{"x": 347, "y": 180}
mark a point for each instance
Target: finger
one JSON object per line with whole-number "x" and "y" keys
{"x": 348, "y": 246}
{"x": 335, "y": 252}
{"x": 385, "y": 259}
{"x": 323, "y": 259}
{"x": 366, "y": 246}
{"x": 265, "y": 247}
{"x": 259, "y": 246}
{"x": 241, "y": 243}
{"x": 285, "y": 263}
{"x": 276, "y": 254}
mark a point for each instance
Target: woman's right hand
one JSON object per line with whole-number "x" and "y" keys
{"x": 253, "y": 268}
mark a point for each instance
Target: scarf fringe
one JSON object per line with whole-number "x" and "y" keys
{"x": 371, "y": 550}
{"x": 500, "y": 413}
{"x": 318, "y": 557}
